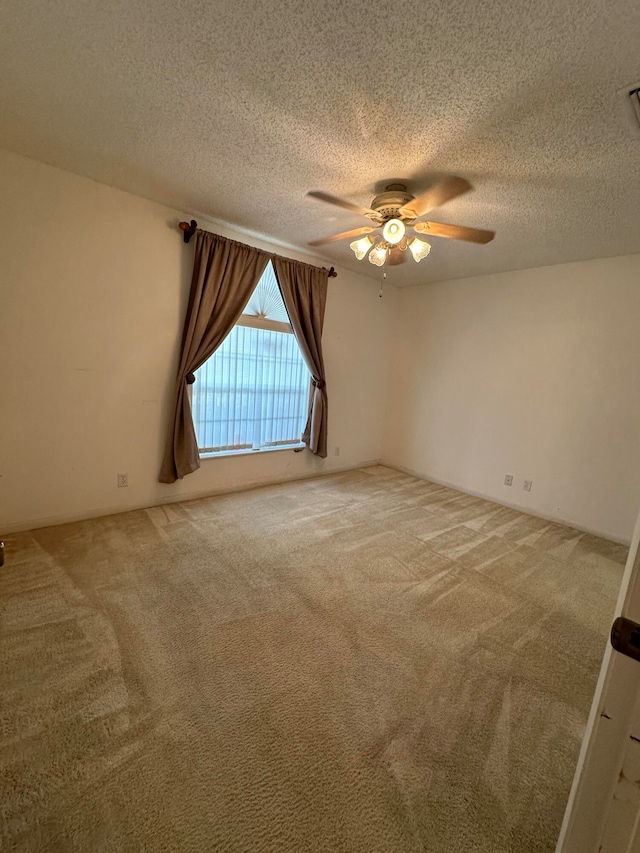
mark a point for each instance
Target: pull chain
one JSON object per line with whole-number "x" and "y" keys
{"x": 382, "y": 281}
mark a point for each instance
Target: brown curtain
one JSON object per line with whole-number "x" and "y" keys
{"x": 225, "y": 274}
{"x": 304, "y": 292}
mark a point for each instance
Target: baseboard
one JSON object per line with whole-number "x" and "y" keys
{"x": 556, "y": 519}
{"x": 52, "y": 521}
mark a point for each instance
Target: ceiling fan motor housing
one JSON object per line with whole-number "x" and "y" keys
{"x": 387, "y": 204}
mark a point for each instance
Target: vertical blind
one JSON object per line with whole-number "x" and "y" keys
{"x": 253, "y": 392}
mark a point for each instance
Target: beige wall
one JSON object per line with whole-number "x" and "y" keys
{"x": 94, "y": 284}
{"x": 532, "y": 373}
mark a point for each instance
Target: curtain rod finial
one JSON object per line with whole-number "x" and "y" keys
{"x": 332, "y": 273}
{"x": 188, "y": 229}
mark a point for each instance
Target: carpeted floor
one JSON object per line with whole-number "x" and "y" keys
{"x": 364, "y": 663}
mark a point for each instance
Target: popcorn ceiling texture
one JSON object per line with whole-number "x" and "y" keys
{"x": 236, "y": 109}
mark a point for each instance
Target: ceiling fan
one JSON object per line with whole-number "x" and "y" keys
{"x": 394, "y": 212}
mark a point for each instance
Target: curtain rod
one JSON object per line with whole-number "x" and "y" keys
{"x": 189, "y": 229}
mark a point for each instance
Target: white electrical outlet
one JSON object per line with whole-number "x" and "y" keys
{"x": 123, "y": 480}
{"x": 336, "y": 452}
{"x": 508, "y": 479}
{"x": 527, "y": 485}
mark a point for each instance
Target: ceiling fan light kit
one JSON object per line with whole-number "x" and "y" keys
{"x": 392, "y": 213}
{"x": 393, "y": 230}
{"x": 378, "y": 255}
{"x": 419, "y": 249}
{"x": 384, "y": 250}
{"x": 361, "y": 247}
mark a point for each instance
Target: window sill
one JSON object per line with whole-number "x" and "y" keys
{"x": 217, "y": 454}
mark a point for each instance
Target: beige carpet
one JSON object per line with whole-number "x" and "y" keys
{"x": 363, "y": 662}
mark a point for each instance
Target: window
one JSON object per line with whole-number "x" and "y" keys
{"x": 253, "y": 393}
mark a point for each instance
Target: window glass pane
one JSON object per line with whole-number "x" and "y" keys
{"x": 266, "y": 299}
{"x": 252, "y": 393}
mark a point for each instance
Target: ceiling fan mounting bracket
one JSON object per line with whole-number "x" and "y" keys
{"x": 388, "y": 203}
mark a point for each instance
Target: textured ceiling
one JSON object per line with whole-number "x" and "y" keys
{"x": 235, "y": 109}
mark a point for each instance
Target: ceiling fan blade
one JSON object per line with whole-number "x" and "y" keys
{"x": 341, "y": 202}
{"x": 435, "y": 197}
{"x": 454, "y": 232}
{"x": 395, "y": 257}
{"x": 345, "y": 235}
